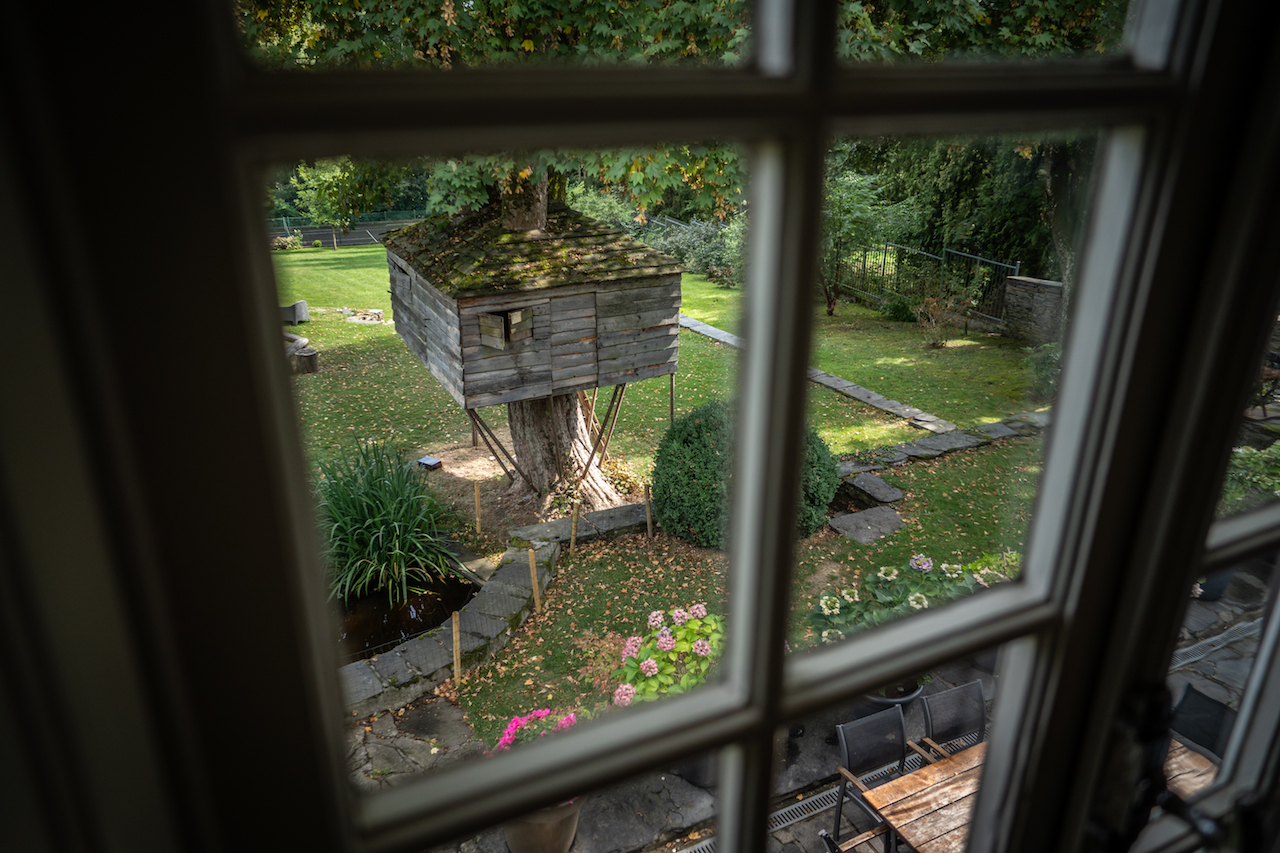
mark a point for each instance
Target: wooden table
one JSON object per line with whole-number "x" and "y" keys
{"x": 1188, "y": 771}
{"x": 930, "y": 808}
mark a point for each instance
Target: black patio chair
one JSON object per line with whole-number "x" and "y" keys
{"x": 955, "y": 719}
{"x": 1203, "y": 723}
{"x": 873, "y": 750}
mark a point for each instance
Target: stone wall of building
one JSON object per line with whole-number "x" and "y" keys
{"x": 1033, "y": 309}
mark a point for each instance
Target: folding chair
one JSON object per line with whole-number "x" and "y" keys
{"x": 955, "y": 719}
{"x": 1202, "y": 723}
{"x": 873, "y": 750}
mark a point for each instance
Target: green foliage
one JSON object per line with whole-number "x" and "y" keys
{"x": 669, "y": 659}
{"x": 316, "y": 244}
{"x": 693, "y": 472}
{"x": 337, "y": 191}
{"x": 712, "y": 249}
{"x": 1044, "y": 362}
{"x": 293, "y": 241}
{"x": 382, "y": 529}
{"x": 881, "y": 596}
{"x": 819, "y": 479}
{"x": 899, "y": 310}
{"x": 1253, "y": 479}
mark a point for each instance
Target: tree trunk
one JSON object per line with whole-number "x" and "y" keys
{"x": 552, "y": 446}
{"x": 524, "y": 202}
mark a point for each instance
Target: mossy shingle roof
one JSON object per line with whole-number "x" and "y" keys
{"x": 474, "y": 255}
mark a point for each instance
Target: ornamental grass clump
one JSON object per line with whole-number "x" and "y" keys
{"x": 670, "y": 658}
{"x": 889, "y": 593}
{"x": 382, "y": 528}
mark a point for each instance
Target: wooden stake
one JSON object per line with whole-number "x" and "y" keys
{"x": 475, "y": 435}
{"x": 573, "y": 529}
{"x": 673, "y": 400}
{"x": 533, "y": 579}
{"x": 477, "y": 506}
{"x": 648, "y": 511}
{"x": 457, "y": 647}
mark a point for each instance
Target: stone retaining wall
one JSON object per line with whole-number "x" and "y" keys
{"x": 487, "y": 623}
{"x": 1033, "y": 309}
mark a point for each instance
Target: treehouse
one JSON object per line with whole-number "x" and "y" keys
{"x": 501, "y": 316}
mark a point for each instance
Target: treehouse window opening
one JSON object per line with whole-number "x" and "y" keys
{"x": 503, "y": 329}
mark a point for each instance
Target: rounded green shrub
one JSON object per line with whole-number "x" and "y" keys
{"x": 692, "y": 477}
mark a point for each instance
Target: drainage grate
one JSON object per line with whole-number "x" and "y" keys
{"x": 1204, "y": 648}
{"x": 806, "y": 808}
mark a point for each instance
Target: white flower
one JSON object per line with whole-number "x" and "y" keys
{"x": 831, "y": 636}
{"x": 887, "y": 574}
{"x": 917, "y": 600}
{"x": 850, "y": 596}
{"x": 952, "y": 571}
{"x": 829, "y": 604}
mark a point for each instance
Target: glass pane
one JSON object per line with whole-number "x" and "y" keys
{"x": 945, "y": 275}
{"x": 1210, "y": 667}
{"x": 674, "y": 806}
{"x": 1253, "y": 472}
{"x": 486, "y": 384}
{"x": 884, "y": 740}
{"x": 322, "y": 34}
{"x": 903, "y": 30}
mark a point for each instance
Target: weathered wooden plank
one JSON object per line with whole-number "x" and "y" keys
{"x": 621, "y": 295}
{"x": 635, "y": 361}
{"x": 570, "y": 336}
{"x": 516, "y": 299}
{"x": 566, "y": 383}
{"x": 558, "y": 316}
{"x": 503, "y": 380}
{"x": 918, "y": 806}
{"x": 620, "y": 376}
{"x": 578, "y": 324}
{"x": 477, "y": 365}
{"x": 1188, "y": 772}
{"x": 637, "y": 321}
{"x": 670, "y": 330}
{"x": 671, "y": 303}
{"x": 573, "y": 359}
{"x": 572, "y": 303}
{"x": 928, "y": 775}
{"x": 619, "y": 350}
{"x": 531, "y": 391}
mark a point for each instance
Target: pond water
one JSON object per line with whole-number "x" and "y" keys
{"x": 371, "y": 625}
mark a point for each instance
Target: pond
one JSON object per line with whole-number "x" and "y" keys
{"x": 370, "y": 625}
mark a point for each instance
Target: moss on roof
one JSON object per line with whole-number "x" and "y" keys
{"x": 473, "y": 254}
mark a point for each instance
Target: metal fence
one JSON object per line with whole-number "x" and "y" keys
{"x": 876, "y": 275}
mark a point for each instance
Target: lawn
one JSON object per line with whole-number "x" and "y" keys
{"x": 976, "y": 378}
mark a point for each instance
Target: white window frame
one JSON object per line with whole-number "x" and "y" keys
{"x": 1117, "y": 503}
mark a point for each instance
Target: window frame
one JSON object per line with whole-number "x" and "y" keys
{"x": 1110, "y": 509}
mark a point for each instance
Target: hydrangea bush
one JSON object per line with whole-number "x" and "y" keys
{"x": 674, "y": 656}
{"x": 888, "y": 593}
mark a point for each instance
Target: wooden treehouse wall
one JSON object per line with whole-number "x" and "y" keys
{"x": 584, "y": 335}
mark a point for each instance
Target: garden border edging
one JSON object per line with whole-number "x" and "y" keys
{"x": 393, "y": 679}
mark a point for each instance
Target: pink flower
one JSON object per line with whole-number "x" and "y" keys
{"x": 666, "y": 641}
{"x": 655, "y": 619}
{"x": 566, "y": 722}
{"x": 699, "y": 611}
{"x": 624, "y": 694}
{"x": 649, "y": 667}
{"x": 701, "y": 648}
{"x": 679, "y": 616}
{"x": 632, "y": 648}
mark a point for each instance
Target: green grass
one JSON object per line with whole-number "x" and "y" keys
{"x": 955, "y": 508}
{"x": 561, "y": 658}
{"x": 976, "y": 378}
{"x": 352, "y": 277}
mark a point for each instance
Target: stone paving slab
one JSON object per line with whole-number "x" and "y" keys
{"x": 867, "y": 526}
{"x": 996, "y": 430}
{"x": 950, "y": 442}
{"x": 876, "y": 489}
{"x": 623, "y": 519}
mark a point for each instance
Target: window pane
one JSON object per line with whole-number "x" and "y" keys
{"x": 1253, "y": 472}
{"x": 945, "y": 274}
{"x": 320, "y": 34}
{"x": 1211, "y": 665}
{"x": 483, "y": 383}
{"x": 950, "y": 705}
{"x": 903, "y": 30}
{"x": 676, "y": 805}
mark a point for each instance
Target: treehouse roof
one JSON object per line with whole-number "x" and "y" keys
{"x": 473, "y": 255}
